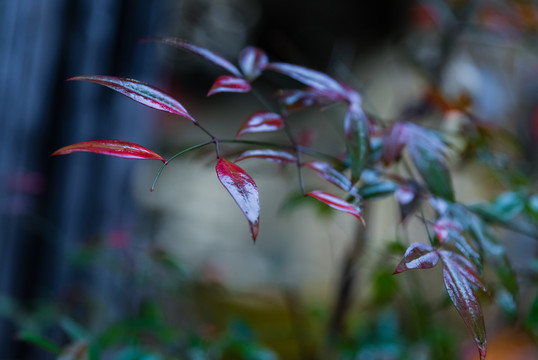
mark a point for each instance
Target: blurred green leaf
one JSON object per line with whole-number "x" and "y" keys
{"x": 379, "y": 190}
{"x": 531, "y": 321}
{"x": 73, "y": 330}
{"x": 39, "y": 341}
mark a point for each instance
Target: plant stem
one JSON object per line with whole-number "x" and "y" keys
{"x": 175, "y": 156}
{"x": 290, "y": 136}
{"x": 344, "y": 292}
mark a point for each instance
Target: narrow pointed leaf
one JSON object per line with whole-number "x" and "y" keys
{"x": 459, "y": 274}
{"x": 142, "y": 93}
{"x": 378, "y": 190}
{"x": 39, "y": 341}
{"x": 226, "y": 83}
{"x": 243, "y": 190}
{"x": 427, "y": 152}
{"x": 309, "y": 77}
{"x": 357, "y": 140}
{"x": 252, "y": 61}
{"x": 418, "y": 256}
{"x": 337, "y": 203}
{"x": 268, "y": 154}
{"x": 261, "y": 121}
{"x": 200, "y": 51}
{"x": 330, "y": 174}
{"x": 118, "y": 148}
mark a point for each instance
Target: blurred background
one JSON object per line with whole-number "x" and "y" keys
{"x": 89, "y": 256}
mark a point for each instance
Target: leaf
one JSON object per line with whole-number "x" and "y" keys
{"x": 200, "y": 51}
{"x": 309, "y": 77}
{"x": 72, "y": 329}
{"x": 378, "y": 190}
{"x": 142, "y": 93}
{"x": 252, "y": 61}
{"x": 357, "y": 140}
{"x": 418, "y": 256}
{"x": 268, "y": 154}
{"x": 448, "y": 231}
{"x": 39, "y": 341}
{"x": 243, "y": 190}
{"x": 292, "y": 100}
{"x": 261, "y": 121}
{"x": 393, "y": 143}
{"x": 226, "y": 83}
{"x": 427, "y": 152}
{"x": 330, "y": 174}
{"x": 459, "y": 274}
{"x": 336, "y": 203}
{"x": 118, "y": 148}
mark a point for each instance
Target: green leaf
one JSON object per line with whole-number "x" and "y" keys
{"x": 427, "y": 152}
{"x": 39, "y": 341}
{"x": 74, "y": 330}
{"x": 357, "y": 140}
{"x": 376, "y": 191}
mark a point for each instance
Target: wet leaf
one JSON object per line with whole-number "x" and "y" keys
{"x": 459, "y": 274}
{"x": 330, "y": 174}
{"x": 357, "y": 140}
{"x": 309, "y": 77}
{"x": 427, "y": 152}
{"x": 142, "y": 93}
{"x": 252, "y": 61}
{"x": 418, "y": 256}
{"x": 448, "y": 231}
{"x": 226, "y": 83}
{"x": 243, "y": 190}
{"x": 261, "y": 121}
{"x": 268, "y": 154}
{"x": 337, "y": 203}
{"x": 118, "y": 148}
{"x": 200, "y": 51}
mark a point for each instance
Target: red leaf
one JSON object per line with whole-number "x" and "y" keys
{"x": 309, "y": 77}
{"x": 226, "y": 83}
{"x": 337, "y": 203}
{"x": 243, "y": 190}
{"x": 139, "y": 92}
{"x": 418, "y": 256}
{"x": 252, "y": 61}
{"x": 447, "y": 230}
{"x": 393, "y": 143}
{"x": 118, "y": 148}
{"x": 200, "y": 51}
{"x": 268, "y": 154}
{"x": 464, "y": 266}
{"x": 327, "y": 172}
{"x": 459, "y": 274}
{"x": 261, "y": 121}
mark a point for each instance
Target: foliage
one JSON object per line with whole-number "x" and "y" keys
{"x": 459, "y": 236}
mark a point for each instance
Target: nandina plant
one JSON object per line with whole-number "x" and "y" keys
{"x": 457, "y": 235}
